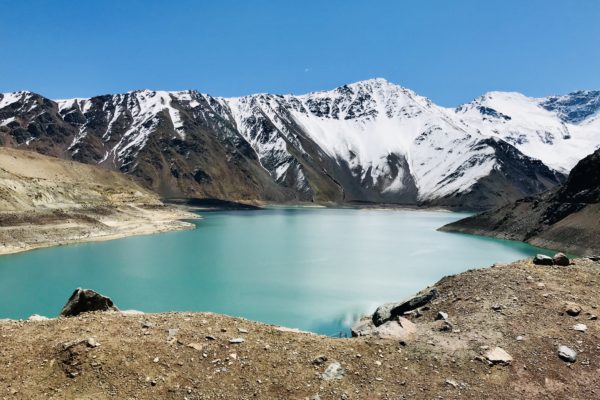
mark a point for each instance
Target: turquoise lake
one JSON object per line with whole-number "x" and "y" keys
{"x": 313, "y": 269}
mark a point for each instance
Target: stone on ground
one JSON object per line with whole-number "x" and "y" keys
{"x": 86, "y": 300}
{"x": 333, "y": 371}
{"x": 498, "y": 356}
{"x": 390, "y": 311}
{"x": 567, "y": 354}
{"x": 561, "y": 259}
{"x": 541, "y": 259}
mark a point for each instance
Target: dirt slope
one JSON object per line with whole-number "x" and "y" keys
{"x": 138, "y": 357}
{"x": 46, "y": 201}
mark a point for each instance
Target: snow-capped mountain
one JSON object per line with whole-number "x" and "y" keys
{"x": 368, "y": 141}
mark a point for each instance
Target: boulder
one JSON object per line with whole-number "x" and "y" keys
{"x": 390, "y": 311}
{"x": 541, "y": 259}
{"x": 567, "y": 354}
{"x": 498, "y": 356}
{"x": 86, "y": 300}
{"x": 594, "y": 258}
{"x": 561, "y": 259}
{"x": 400, "y": 329}
{"x": 363, "y": 327}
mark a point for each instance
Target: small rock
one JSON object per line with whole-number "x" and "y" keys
{"x": 567, "y": 354}
{"x": 441, "y": 316}
{"x": 541, "y": 285}
{"x": 452, "y": 383}
{"x": 541, "y": 259}
{"x": 320, "y": 359}
{"x": 496, "y": 307}
{"x": 242, "y": 330}
{"x": 520, "y": 338}
{"x": 196, "y": 346}
{"x": 580, "y": 327}
{"x": 498, "y": 356}
{"x": 594, "y": 258}
{"x": 573, "y": 309}
{"x": 333, "y": 371}
{"x": 156, "y": 359}
{"x": 442, "y": 326}
{"x": 37, "y": 318}
{"x": 147, "y": 324}
{"x": 593, "y": 317}
{"x": 91, "y": 342}
{"x": 236, "y": 340}
{"x": 561, "y": 259}
{"x": 172, "y": 332}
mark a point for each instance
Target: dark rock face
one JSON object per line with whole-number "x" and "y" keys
{"x": 86, "y": 300}
{"x": 391, "y": 311}
{"x": 565, "y": 218}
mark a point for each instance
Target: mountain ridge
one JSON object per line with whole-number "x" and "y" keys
{"x": 370, "y": 140}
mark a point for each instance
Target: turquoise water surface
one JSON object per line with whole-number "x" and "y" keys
{"x": 313, "y": 269}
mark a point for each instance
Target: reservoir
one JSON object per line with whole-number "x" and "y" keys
{"x": 314, "y": 269}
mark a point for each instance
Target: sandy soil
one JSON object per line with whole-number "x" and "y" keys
{"x": 518, "y": 307}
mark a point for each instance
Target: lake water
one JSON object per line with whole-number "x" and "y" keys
{"x": 313, "y": 269}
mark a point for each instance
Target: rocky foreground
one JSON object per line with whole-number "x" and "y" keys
{"x": 510, "y": 331}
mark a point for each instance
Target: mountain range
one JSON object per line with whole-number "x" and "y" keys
{"x": 370, "y": 141}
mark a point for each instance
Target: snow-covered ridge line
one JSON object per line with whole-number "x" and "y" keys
{"x": 383, "y": 141}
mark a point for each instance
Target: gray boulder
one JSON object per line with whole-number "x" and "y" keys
{"x": 541, "y": 259}
{"x": 86, "y": 300}
{"x": 391, "y": 311}
{"x": 363, "y": 327}
{"x": 561, "y": 259}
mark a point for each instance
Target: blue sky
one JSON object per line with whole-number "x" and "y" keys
{"x": 450, "y": 51}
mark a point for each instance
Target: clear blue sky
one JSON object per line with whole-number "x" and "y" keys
{"x": 450, "y": 51}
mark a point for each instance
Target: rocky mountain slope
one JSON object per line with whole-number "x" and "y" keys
{"x": 370, "y": 141}
{"x": 564, "y": 218}
{"x": 46, "y": 201}
{"x": 528, "y": 311}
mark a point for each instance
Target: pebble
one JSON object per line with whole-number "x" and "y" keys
{"x": 441, "y": 316}
{"x": 520, "y": 338}
{"x": 580, "y": 327}
{"x": 573, "y": 309}
{"x": 242, "y": 330}
{"x": 452, "y": 383}
{"x": 498, "y": 356}
{"x": 567, "y": 354}
{"x": 320, "y": 359}
{"x": 236, "y": 340}
{"x": 196, "y": 346}
{"x": 156, "y": 359}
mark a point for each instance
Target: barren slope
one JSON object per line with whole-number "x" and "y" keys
{"x": 46, "y": 201}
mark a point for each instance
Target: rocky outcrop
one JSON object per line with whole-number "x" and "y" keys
{"x": 389, "y": 311}
{"x": 86, "y": 300}
{"x": 565, "y": 218}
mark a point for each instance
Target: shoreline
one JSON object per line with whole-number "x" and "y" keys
{"x": 85, "y": 227}
{"x": 526, "y": 311}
